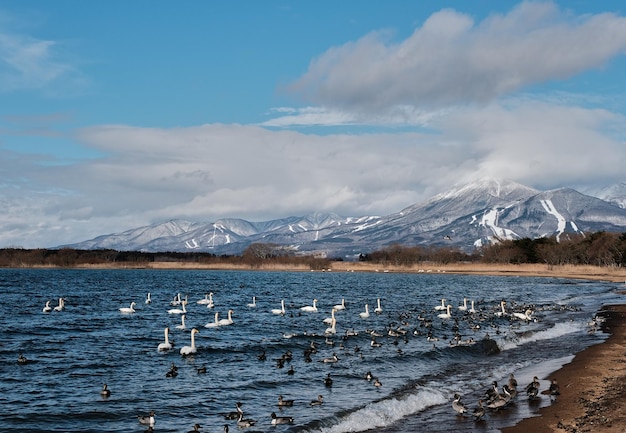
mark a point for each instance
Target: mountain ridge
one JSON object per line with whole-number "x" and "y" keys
{"x": 467, "y": 217}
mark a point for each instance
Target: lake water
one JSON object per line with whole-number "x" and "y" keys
{"x": 72, "y": 353}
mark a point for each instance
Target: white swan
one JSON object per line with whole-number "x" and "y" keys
{"x": 188, "y": 350}
{"x": 378, "y": 309}
{"x": 502, "y": 311}
{"x": 176, "y": 300}
{"x": 447, "y": 314}
{"x": 472, "y": 309}
{"x": 178, "y": 310}
{"x": 148, "y": 299}
{"x": 442, "y": 306}
{"x": 215, "y": 323}
{"x": 464, "y": 306}
{"x": 332, "y": 330}
{"x": 182, "y": 322}
{"x": 47, "y": 308}
{"x": 253, "y": 304}
{"x": 341, "y": 306}
{"x": 310, "y": 308}
{"x": 227, "y": 321}
{"x": 525, "y": 315}
{"x": 166, "y": 345}
{"x": 329, "y": 320}
{"x": 128, "y": 310}
{"x": 61, "y": 305}
{"x": 208, "y": 299}
{"x": 280, "y": 311}
{"x": 365, "y": 314}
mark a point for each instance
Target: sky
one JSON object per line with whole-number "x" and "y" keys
{"x": 120, "y": 114}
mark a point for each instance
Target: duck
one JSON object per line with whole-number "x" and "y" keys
{"x": 147, "y": 419}
{"x": 281, "y": 419}
{"x": 378, "y": 309}
{"x": 244, "y": 423}
{"x": 253, "y": 303}
{"x": 280, "y": 311}
{"x": 479, "y": 411}
{"x": 188, "y": 350}
{"x": 331, "y": 359}
{"x": 148, "y": 299}
{"x": 196, "y": 428}
{"x": 318, "y": 401}
{"x": 173, "y": 371}
{"x": 328, "y": 381}
{"x": 21, "y": 359}
{"x": 105, "y": 391}
{"x": 166, "y": 345}
{"x": 235, "y": 415}
{"x": 215, "y": 323}
{"x": 341, "y": 306}
{"x": 447, "y": 314}
{"x": 377, "y": 383}
{"x": 284, "y": 403}
{"x": 47, "y": 308}
{"x": 201, "y": 370}
{"x": 532, "y": 389}
{"x": 310, "y": 308}
{"x": 61, "y": 305}
{"x": 365, "y": 314}
{"x": 228, "y": 320}
{"x": 128, "y": 310}
{"x": 458, "y": 406}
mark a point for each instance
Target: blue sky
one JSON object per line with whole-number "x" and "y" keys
{"x": 115, "y": 115}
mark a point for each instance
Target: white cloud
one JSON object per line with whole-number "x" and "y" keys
{"x": 452, "y": 60}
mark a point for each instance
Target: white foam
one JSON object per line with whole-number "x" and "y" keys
{"x": 386, "y": 412}
{"x": 556, "y": 331}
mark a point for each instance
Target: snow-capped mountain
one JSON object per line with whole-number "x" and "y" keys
{"x": 465, "y": 217}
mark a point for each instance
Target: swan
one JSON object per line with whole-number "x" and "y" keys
{"x": 208, "y": 299}
{"x": 61, "y": 305}
{"x": 228, "y": 321}
{"x": 147, "y": 419}
{"x": 365, "y": 314}
{"x": 442, "y": 306}
{"x": 47, "y": 308}
{"x": 148, "y": 299}
{"x": 188, "y": 350}
{"x": 182, "y": 322}
{"x": 105, "y": 391}
{"x": 253, "y": 304}
{"x": 378, "y": 309}
{"x": 128, "y": 310}
{"x": 166, "y": 345}
{"x": 525, "y": 315}
{"x": 310, "y": 308}
{"x": 447, "y": 314}
{"x": 215, "y": 323}
{"x": 329, "y": 320}
{"x": 472, "y": 309}
{"x": 341, "y": 306}
{"x": 502, "y": 311}
{"x": 332, "y": 330}
{"x": 178, "y": 310}
{"x": 464, "y": 306}
{"x": 280, "y": 311}
{"x": 176, "y": 300}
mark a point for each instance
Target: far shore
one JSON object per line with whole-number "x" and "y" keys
{"x": 586, "y": 272}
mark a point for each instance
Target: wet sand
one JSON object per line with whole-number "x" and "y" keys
{"x": 592, "y": 387}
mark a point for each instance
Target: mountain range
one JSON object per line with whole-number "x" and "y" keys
{"x": 465, "y": 217}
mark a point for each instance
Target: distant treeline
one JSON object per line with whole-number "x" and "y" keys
{"x": 599, "y": 249}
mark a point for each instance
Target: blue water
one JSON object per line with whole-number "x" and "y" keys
{"x": 72, "y": 353}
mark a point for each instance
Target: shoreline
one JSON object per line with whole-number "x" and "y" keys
{"x": 592, "y": 392}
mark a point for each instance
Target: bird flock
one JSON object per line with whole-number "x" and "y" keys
{"x": 436, "y": 325}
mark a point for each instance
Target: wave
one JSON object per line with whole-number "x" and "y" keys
{"x": 385, "y": 412}
{"x": 558, "y": 330}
